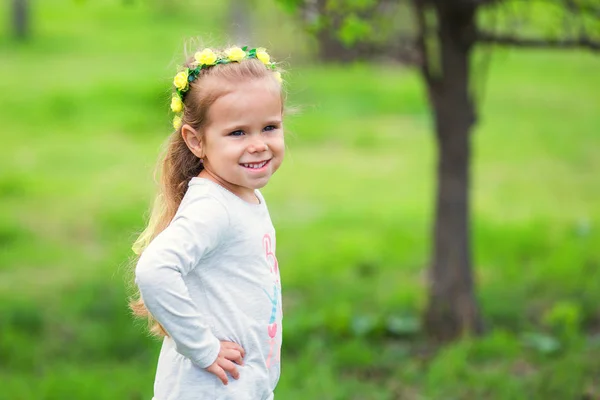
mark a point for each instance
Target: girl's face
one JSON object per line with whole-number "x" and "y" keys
{"x": 242, "y": 144}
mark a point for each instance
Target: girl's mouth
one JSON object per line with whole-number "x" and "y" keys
{"x": 256, "y": 165}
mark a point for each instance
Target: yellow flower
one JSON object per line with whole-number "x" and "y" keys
{"x": 206, "y": 57}
{"x": 181, "y": 80}
{"x": 263, "y": 56}
{"x": 177, "y": 122}
{"x": 278, "y": 76}
{"x": 176, "y": 104}
{"x": 235, "y": 54}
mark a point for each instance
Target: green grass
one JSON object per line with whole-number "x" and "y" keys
{"x": 85, "y": 111}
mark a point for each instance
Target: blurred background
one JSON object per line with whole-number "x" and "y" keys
{"x": 84, "y": 112}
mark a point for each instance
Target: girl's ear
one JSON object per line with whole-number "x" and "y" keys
{"x": 193, "y": 140}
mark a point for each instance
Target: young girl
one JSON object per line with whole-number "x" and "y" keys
{"x": 207, "y": 275}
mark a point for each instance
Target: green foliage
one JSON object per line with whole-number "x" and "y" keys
{"x": 565, "y": 319}
{"x": 550, "y": 20}
{"x": 291, "y": 6}
{"x": 355, "y": 22}
{"x": 354, "y": 29}
{"x": 350, "y": 5}
{"x": 543, "y": 343}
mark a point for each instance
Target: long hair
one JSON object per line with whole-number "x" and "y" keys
{"x": 178, "y": 165}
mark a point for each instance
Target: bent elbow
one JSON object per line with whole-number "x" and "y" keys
{"x": 146, "y": 272}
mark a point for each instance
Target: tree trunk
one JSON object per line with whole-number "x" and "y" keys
{"x": 20, "y": 18}
{"x": 240, "y": 13}
{"x": 452, "y": 309}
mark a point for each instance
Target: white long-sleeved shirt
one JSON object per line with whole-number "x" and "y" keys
{"x": 212, "y": 276}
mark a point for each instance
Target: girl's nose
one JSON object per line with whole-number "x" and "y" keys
{"x": 258, "y": 146}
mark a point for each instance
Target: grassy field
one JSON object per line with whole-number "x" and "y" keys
{"x": 84, "y": 112}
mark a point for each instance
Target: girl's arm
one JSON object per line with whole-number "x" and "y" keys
{"x": 196, "y": 229}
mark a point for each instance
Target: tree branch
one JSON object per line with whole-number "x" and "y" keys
{"x": 483, "y": 37}
{"x": 574, "y": 7}
{"x": 419, "y": 11}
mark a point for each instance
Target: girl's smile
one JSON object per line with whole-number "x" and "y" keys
{"x": 256, "y": 166}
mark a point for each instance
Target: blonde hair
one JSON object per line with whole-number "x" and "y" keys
{"x": 178, "y": 165}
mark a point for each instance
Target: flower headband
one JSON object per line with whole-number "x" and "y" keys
{"x": 205, "y": 59}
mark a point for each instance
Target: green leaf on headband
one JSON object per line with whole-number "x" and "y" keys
{"x": 252, "y": 53}
{"x": 245, "y": 48}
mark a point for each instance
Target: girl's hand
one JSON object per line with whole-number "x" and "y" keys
{"x": 230, "y": 353}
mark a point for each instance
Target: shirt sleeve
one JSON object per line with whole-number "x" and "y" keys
{"x": 195, "y": 231}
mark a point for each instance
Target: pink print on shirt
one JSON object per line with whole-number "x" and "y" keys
{"x": 276, "y": 306}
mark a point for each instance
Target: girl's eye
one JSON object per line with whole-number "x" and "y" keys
{"x": 236, "y": 133}
{"x": 270, "y": 128}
